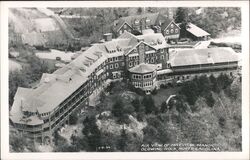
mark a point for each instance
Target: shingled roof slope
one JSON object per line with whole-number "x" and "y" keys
{"x": 143, "y": 68}
{"x": 203, "y": 56}
{"x": 196, "y": 31}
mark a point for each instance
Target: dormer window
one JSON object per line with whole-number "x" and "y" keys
{"x": 159, "y": 41}
{"x": 118, "y": 48}
{"x": 167, "y": 31}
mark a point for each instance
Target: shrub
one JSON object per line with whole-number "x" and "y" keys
{"x": 222, "y": 122}
{"x": 73, "y": 118}
{"x": 210, "y": 100}
{"x": 154, "y": 92}
{"x": 148, "y": 102}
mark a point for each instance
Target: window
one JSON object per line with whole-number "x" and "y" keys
{"x": 162, "y": 56}
{"x": 152, "y": 60}
{"x": 120, "y": 31}
{"x": 125, "y": 26}
{"x": 130, "y": 64}
{"x": 110, "y": 59}
{"x": 147, "y": 60}
{"x": 133, "y": 76}
{"x": 161, "y": 50}
{"x": 114, "y": 76}
{"x": 111, "y": 66}
{"x": 116, "y": 65}
{"x": 116, "y": 58}
{"x": 172, "y": 25}
{"x": 176, "y": 30}
{"x": 147, "y": 48}
{"x": 167, "y": 31}
{"x": 172, "y": 31}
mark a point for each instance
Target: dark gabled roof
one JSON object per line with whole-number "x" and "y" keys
{"x": 153, "y": 17}
{"x": 166, "y": 24}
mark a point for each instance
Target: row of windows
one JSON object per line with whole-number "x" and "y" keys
{"x": 145, "y": 84}
{"x": 44, "y": 114}
{"x": 147, "y": 76}
{"x": 133, "y": 57}
{"x": 152, "y": 60}
{"x": 131, "y": 64}
{"x": 116, "y": 75}
{"x": 136, "y": 76}
{"x": 116, "y": 65}
{"x": 148, "y": 84}
{"x": 137, "y": 84}
{"x": 115, "y": 59}
{"x": 172, "y": 31}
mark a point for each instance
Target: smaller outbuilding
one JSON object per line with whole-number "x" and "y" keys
{"x": 196, "y": 33}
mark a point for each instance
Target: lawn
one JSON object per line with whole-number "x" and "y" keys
{"x": 163, "y": 94}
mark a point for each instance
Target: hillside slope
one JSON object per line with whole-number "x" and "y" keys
{"x": 37, "y": 27}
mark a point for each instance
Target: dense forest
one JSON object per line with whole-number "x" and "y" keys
{"x": 206, "y": 110}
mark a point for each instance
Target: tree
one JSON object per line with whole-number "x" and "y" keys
{"x": 182, "y": 17}
{"x": 149, "y": 104}
{"x": 18, "y": 143}
{"x": 137, "y": 105}
{"x": 92, "y": 133}
{"x": 122, "y": 143}
{"x": 190, "y": 91}
{"x": 16, "y": 79}
{"x": 73, "y": 118}
{"x": 139, "y": 10}
{"x": 214, "y": 84}
{"x": 163, "y": 106}
{"x": 181, "y": 107}
{"x": 118, "y": 108}
{"x": 209, "y": 99}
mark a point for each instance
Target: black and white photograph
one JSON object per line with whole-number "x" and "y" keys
{"x": 125, "y": 79}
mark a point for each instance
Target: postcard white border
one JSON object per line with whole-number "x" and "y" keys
{"x": 123, "y": 155}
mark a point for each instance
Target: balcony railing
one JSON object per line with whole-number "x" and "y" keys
{"x": 205, "y": 68}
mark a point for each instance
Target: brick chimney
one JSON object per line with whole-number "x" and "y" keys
{"x": 107, "y": 37}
